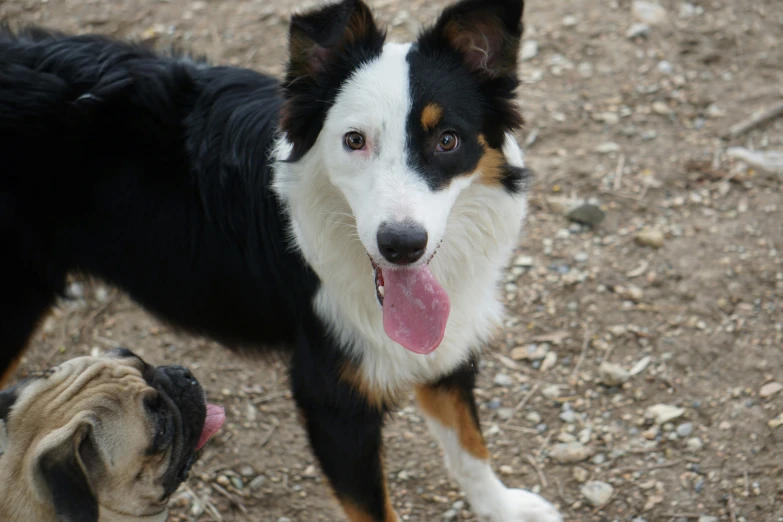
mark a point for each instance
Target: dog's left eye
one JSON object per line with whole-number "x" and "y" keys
{"x": 354, "y": 140}
{"x": 447, "y": 142}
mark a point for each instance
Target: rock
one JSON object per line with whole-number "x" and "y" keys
{"x": 451, "y": 514}
{"x": 247, "y": 471}
{"x": 568, "y": 416}
{"x": 597, "y": 493}
{"x": 562, "y": 205}
{"x": 570, "y": 452}
{"x": 531, "y": 352}
{"x": 708, "y": 518}
{"x": 612, "y": 374}
{"x": 587, "y": 214}
{"x": 648, "y": 12}
{"x": 503, "y": 380}
{"x": 257, "y": 482}
{"x": 580, "y": 474}
{"x": 776, "y": 422}
{"x": 533, "y": 417}
{"x": 529, "y": 50}
{"x": 663, "y": 413}
{"x": 770, "y": 389}
{"x": 661, "y": 108}
{"x": 523, "y": 261}
{"x": 569, "y": 21}
{"x": 505, "y": 413}
{"x": 694, "y": 444}
{"x": 506, "y": 470}
{"x": 684, "y": 430}
{"x": 608, "y": 147}
{"x": 770, "y": 160}
{"x": 637, "y": 30}
{"x": 550, "y": 359}
{"x": 650, "y": 237}
{"x": 551, "y": 391}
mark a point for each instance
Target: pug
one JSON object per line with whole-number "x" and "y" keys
{"x": 101, "y": 439}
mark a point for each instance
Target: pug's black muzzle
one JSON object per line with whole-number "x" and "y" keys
{"x": 185, "y": 399}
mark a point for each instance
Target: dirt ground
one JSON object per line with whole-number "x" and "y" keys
{"x": 681, "y": 284}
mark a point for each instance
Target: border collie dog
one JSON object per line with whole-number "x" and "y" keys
{"x": 359, "y": 213}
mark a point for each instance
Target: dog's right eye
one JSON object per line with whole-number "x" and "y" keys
{"x": 354, "y": 140}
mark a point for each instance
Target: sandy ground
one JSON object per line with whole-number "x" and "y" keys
{"x": 680, "y": 284}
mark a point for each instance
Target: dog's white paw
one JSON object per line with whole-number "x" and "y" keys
{"x": 518, "y": 505}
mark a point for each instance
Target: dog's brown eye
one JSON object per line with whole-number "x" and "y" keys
{"x": 448, "y": 141}
{"x": 354, "y": 140}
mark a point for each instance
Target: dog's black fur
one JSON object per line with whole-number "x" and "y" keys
{"x": 150, "y": 173}
{"x": 153, "y": 173}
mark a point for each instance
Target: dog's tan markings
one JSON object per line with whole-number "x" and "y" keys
{"x": 453, "y": 412}
{"x": 431, "y": 116}
{"x": 491, "y": 165}
{"x": 5, "y": 378}
{"x": 375, "y": 397}
{"x": 358, "y": 514}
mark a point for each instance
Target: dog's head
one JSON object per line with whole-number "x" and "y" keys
{"x": 111, "y": 435}
{"x": 401, "y": 130}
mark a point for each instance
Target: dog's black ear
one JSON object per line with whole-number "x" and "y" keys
{"x": 65, "y": 474}
{"x": 318, "y": 37}
{"x": 7, "y": 400}
{"x": 487, "y": 33}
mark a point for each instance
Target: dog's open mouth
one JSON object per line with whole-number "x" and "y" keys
{"x": 415, "y": 306}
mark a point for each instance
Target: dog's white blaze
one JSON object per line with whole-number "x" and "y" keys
{"x": 488, "y": 496}
{"x": 337, "y": 201}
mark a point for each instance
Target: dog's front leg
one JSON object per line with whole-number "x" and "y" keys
{"x": 450, "y": 409}
{"x": 344, "y": 429}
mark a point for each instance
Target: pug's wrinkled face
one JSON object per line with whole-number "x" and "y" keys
{"x": 108, "y": 435}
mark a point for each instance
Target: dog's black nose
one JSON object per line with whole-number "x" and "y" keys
{"x": 180, "y": 376}
{"x": 402, "y": 243}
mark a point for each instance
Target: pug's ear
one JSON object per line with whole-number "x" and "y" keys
{"x": 65, "y": 470}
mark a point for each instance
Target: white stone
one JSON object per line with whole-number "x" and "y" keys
{"x": 597, "y": 493}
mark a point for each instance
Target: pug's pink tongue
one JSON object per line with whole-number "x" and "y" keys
{"x": 216, "y": 416}
{"x": 415, "y": 308}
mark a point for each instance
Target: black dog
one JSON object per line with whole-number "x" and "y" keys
{"x": 243, "y": 209}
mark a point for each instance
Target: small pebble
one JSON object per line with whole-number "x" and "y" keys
{"x": 587, "y": 214}
{"x": 663, "y": 413}
{"x": 770, "y": 389}
{"x": 684, "y": 430}
{"x": 638, "y": 30}
{"x": 648, "y": 12}
{"x": 650, "y": 237}
{"x": 580, "y": 474}
{"x": 612, "y": 374}
{"x": 694, "y": 444}
{"x": 503, "y": 379}
{"x": 597, "y": 493}
{"x": 529, "y": 50}
{"x": 570, "y": 452}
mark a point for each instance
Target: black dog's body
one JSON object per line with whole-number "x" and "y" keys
{"x": 156, "y": 174}
{"x": 153, "y": 174}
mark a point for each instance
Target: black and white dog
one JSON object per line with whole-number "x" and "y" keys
{"x": 360, "y": 213}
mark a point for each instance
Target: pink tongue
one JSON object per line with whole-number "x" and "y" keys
{"x": 216, "y": 416}
{"x": 415, "y": 308}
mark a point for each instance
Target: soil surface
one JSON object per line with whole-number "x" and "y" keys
{"x": 650, "y": 344}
